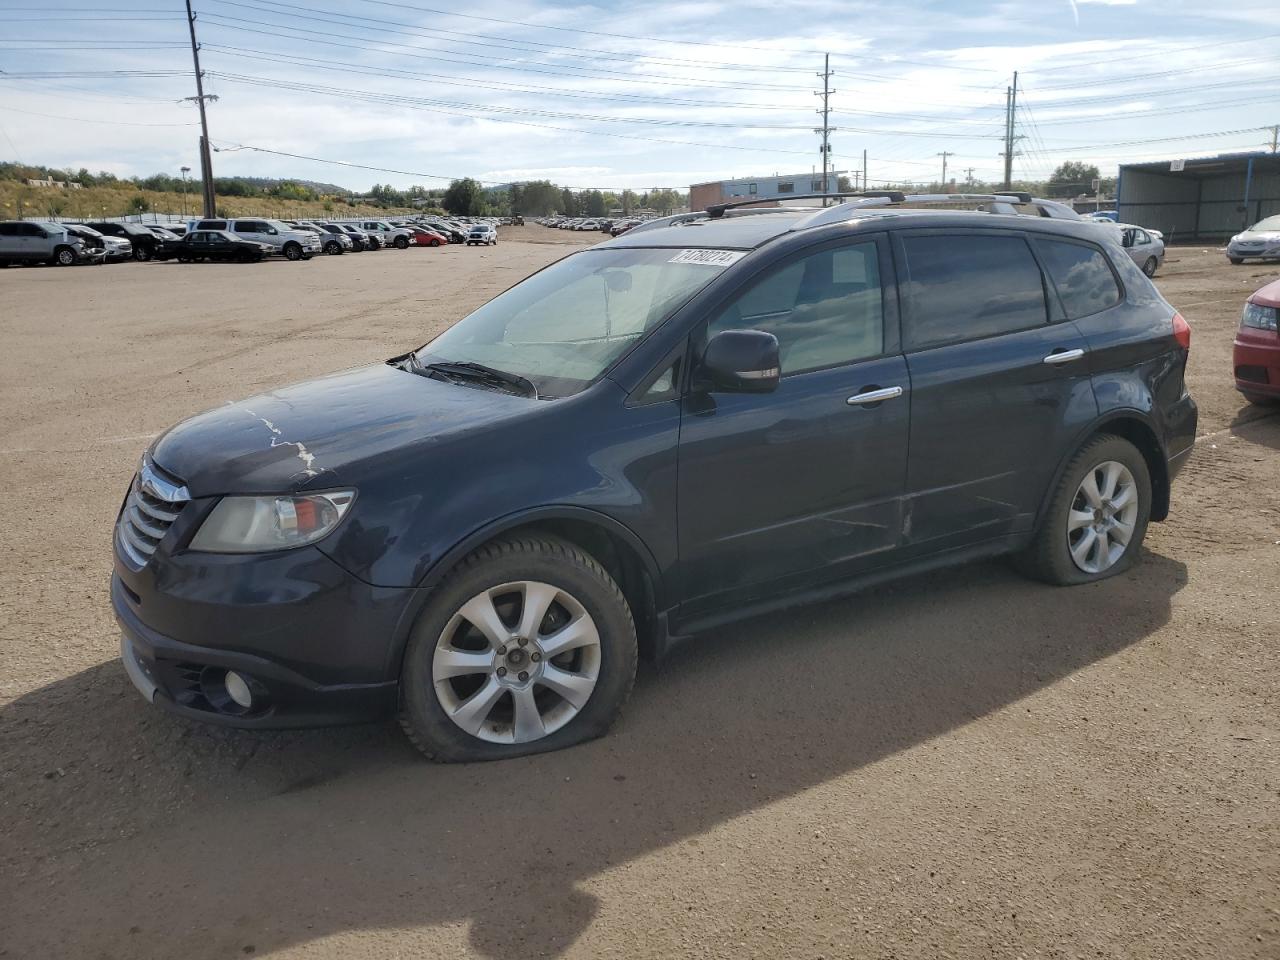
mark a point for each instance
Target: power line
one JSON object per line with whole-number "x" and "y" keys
{"x": 117, "y": 123}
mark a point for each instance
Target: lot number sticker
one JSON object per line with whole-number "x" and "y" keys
{"x": 711, "y": 258}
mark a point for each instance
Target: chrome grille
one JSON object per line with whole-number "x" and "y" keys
{"x": 154, "y": 502}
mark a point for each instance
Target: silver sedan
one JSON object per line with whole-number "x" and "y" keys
{"x": 1145, "y": 247}
{"x": 1260, "y": 242}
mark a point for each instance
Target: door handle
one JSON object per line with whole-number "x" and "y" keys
{"x": 874, "y": 396}
{"x": 1063, "y": 356}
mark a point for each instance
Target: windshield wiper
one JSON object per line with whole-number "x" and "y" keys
{"x": 479, "y": 373}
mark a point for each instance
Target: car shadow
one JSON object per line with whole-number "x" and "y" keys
{"x": 142, "y": 835}
{"x": 1258, "y": 425}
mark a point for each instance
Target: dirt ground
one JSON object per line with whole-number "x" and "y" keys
{"x": 962, "y": 765}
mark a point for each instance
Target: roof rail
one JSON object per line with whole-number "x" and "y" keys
{"x": 1002, "y": 203}
{"x": 717, "y": 210}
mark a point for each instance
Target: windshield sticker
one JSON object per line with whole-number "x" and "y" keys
{"x": 711, "y": 258}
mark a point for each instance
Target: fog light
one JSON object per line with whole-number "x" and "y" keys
{"x": 237, "y": 689}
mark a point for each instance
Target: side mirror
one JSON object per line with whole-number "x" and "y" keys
{"x": 740, "y": 361}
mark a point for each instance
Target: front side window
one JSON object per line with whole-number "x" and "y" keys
{"x": 969, "y": 286}
{"x": 1080, "y": 274}
{"x": 786, "y": 188}
{"x": 564, "y": 326}
{"x": 826, "y": 309}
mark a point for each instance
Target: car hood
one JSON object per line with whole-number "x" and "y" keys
{"x": 1250, "y": 236}
{"x": 326, "y": 432}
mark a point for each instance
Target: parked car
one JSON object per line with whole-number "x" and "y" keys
{"x": 333, "y": 239}
{"x": 482, "y": 233}
{"x": 622, "y": 226}
{"x": 675, "y": 429}
{"x": 171, "y": 232}
{"x": 1145, "y": 247}
{"x": 423, "y": 237}
{"x": 220, "y": 245}
{"x": 282, "y": 238}
{"x": 360, "y": 240}
{"x": 144, "y": 242}
{"x": 1109, "y": 215}
{"x": 30, "y": 241}
{"x": 454, "y": 233}
{"x": 391, "y": 236}
{"x": 1256, "y": 352}
{"x": 99, "y": 248}
{"x": 1260, "y": 242}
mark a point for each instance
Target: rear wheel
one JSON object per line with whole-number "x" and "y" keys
{"x": 293, "y": 251}
{"x": 1097, "y": 518}
{"x": 1150, "y": 267}
{"x": 528, "y": 646}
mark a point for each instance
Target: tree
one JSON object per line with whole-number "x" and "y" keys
{"x": 464, "y": 198}
{"x": 628, "y": 201}
{"x": 1071, "y": 178}
{"x": 139, "y": 204}
{"x": 844, "y": 184}
{"x": 592, "y": 202}
{"x": 568, "y": 202}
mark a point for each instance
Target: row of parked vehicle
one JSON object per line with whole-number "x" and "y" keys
{"x": 226, "y": 239}
{"x": 612, "y": 226}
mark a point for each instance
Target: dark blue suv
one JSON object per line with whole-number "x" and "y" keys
{"x": 683, "y": 426}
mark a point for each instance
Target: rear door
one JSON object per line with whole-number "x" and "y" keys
{"x": 999, "y": 384}
{"x": 788, "y": 489}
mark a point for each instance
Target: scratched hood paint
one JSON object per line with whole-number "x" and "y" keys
{"x": 327, "y": 432}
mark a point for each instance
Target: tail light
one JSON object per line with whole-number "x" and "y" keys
{"x": 1182, "y": 332}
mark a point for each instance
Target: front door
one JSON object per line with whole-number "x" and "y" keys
{"x": 790, "y": 488}
{"x": 997, "y": 389}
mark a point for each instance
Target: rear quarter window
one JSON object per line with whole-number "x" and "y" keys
{"x": 1082, "y": 276}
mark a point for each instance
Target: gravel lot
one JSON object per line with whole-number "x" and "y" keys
{"x": 961, "y": 765}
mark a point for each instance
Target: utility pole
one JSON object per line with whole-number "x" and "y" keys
{"x": 206, "y": 161}
{"x": 944, "y": 154}
{"x": 968, "y": 176}
{"x": 1010, "y": 129}
{"x": 825, "y": 93}
{"x": 865, "y": 185}
{"x": 1275, "y": 139}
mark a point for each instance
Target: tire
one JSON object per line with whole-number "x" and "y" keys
{"x": 141, "y": 254}
{"x": 64, "y": 257}
{"x": 333, "y": 248}
{"x": 402, "y": 243}
{"x": 293, "y": 251}
{"x": 1049, "y": 557}
{"x": 600, "y": 670}
{"x": 1236, "y": 261}
{"x": 183, "y": 259}
{"x": 1151, "y": 266}
{"x": 435, "y": 243}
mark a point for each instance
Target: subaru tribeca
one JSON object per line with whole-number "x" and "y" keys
{"x": 676, "y": 428}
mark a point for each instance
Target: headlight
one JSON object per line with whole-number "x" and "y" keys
{"x": 259, "y": 524}
{"x": 1259, "y": 317}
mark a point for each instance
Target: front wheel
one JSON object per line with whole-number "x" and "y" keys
{"x": 293, "y": 251}
{"x": 1236, "y": 261}
{"x": 64, "y": 257}
{"x": 1097, "y": 518}
{"x": 402, "y": 243}
{"x": 528, "y": 646}
{"x": 333, "y": 248}
{"x": 141, "y": 254}
{"x": 435, "y": 243}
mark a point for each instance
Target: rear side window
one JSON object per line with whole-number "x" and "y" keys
{"x": 970, "y": 286}
{"x": 826, "y": 309}
{"x": 1081, "y": 275}
{"x": 211, "y": 225}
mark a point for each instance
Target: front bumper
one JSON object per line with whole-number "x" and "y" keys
{"x": 317, "y": 645}
{"x": 1255, "y": 361}
{"x": 1254, "y": 251}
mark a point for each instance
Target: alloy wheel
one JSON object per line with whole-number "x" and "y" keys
{"x": 516, "y": 662}
{"x": 1102, "y": 518}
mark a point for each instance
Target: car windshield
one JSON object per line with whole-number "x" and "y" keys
{"x": 564, "y": 326}
{"x": 1268, "y": 225}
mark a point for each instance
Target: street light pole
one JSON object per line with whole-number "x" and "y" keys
{"x": 185, "y": 171}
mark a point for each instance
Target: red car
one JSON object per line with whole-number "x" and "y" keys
{"x": 1256, "y": 356}
{"x": 427, "y": 238}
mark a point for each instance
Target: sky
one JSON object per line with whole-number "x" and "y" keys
{"x": 615, "y": 95}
